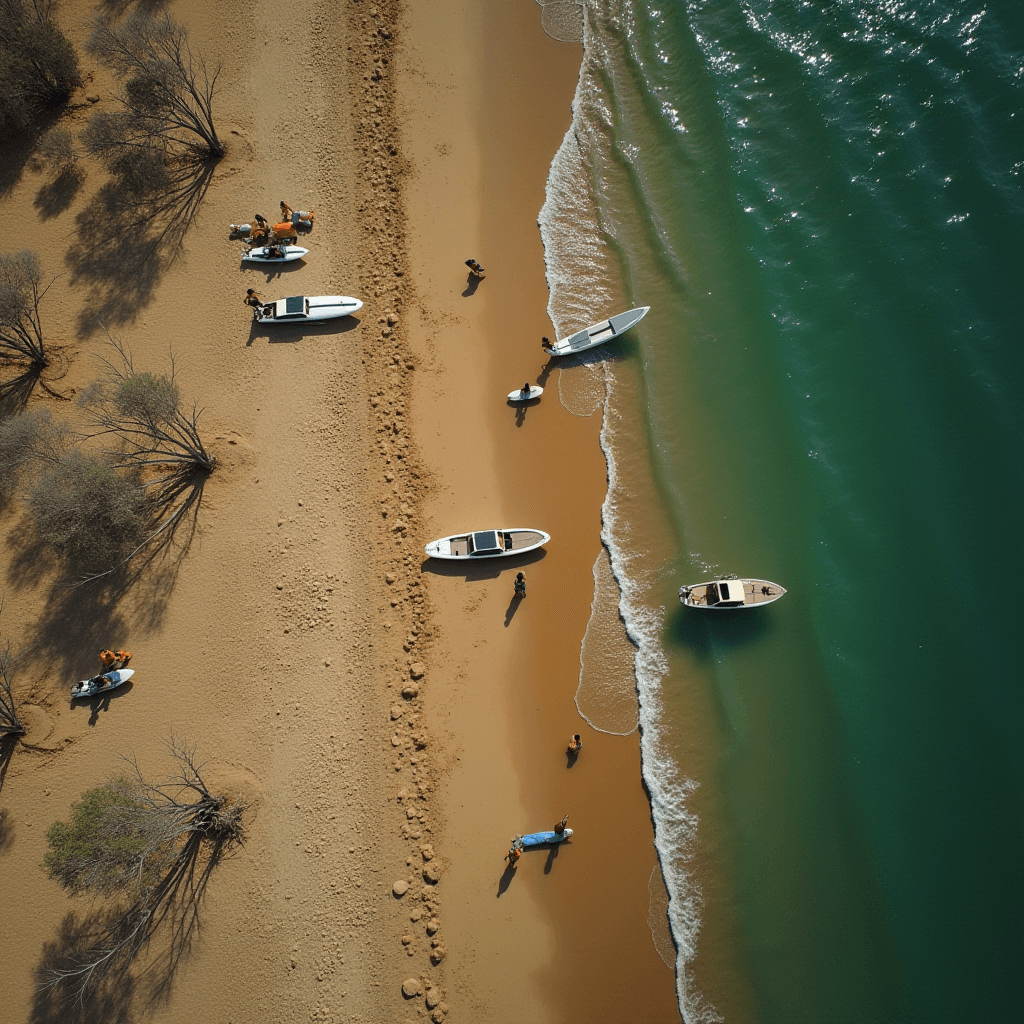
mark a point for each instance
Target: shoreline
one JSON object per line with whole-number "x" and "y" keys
{"x": 564, "y": 906}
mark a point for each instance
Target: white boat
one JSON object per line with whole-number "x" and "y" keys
{"x": 722, "y": 595}
{"x": 304, "y": 309}
{"x": 600, "y": 333}
{"x": 522, "y": 395}
{"x": 261, "y": 254}
{"x": 101, "y": 684}
{"x": 487, "y": 544}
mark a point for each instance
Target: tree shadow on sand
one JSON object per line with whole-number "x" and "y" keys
{"x": 84, "y": 613}
{"x": 126, "y": 240}
{"x": 57, "y": 194}
{"x": 91, "y": 972}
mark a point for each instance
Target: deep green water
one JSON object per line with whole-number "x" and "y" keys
{"x": 822, "y": 203}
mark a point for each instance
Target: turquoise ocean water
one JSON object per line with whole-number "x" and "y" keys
{"x": 822, "y": 203}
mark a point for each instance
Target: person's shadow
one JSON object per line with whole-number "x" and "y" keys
{"x": 571, "y": 757}
{"x": 506, "y": 879}
{"x": 552, "y": 854}
{"x": 472, "y": 283}
{"x": 513, "y": 607}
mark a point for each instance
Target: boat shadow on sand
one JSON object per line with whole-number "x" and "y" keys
{"x": 300, "y": 332}
{"x": 481, "y": 569}
{"x": 100, "y": 702}
{"x": 510, "y": 869}
{"x": 271, "y": 271}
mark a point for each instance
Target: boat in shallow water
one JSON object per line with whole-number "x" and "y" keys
{"x": 599, "y": 333}
{"x": 723, "y": 595}
{"x": 487, "y": 543}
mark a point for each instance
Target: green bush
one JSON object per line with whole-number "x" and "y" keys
{"x": 100, "y": 847}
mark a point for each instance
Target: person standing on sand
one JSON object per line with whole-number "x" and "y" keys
{"x": 560, "y": 827}
{"x": 575, "y": 744}
{"x": 253, "y": 298}
{"x": 545, "y": 343}
{"x": 520, "y": 585}
{"x": 475, "y": 269}
{"x": 515, "y": 851}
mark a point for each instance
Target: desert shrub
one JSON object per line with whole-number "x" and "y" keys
{"x": 99, "y": 848}
{"x": 30, "y": 436}
{"x": 39, "y": 66}
{"x": 93, "y": 512}
{"x": 146, "y": 397}
{"x": 56, "y": 149}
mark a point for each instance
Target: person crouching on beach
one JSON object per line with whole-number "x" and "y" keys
{"x": 575, "y": 744}
{"x": 254, "y": 299}
{"x": 475, "y": 269}
{"x": 515, "y": 851}
{"x": 560, "y": 827}
{"x": 545, "y": 343}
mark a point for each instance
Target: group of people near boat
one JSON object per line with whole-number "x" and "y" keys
{"x": 262, "y": 232}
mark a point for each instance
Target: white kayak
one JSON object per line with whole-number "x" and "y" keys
{"x": 304, "y": 309}
{"x": 102, "y": 683}
{"x": 261, "y": 254}
{"x": 540, "y": 838}
{"x": 526, "y": 396}
{"x": 599, "y": 333}
{"x": 487, "y": 544}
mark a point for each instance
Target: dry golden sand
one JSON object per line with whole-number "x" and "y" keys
{"x": 302, "y": 610}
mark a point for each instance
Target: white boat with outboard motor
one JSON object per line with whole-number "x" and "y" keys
{"x": 102, "y": 683}
{"x": 487, "y": 544}
{"x": 285, "y": 254}
{"x": 599, "y": 333}
{"x": 305, "y": 309}
{"x": 522, "y": 395}
{"x": 724, "y": 595}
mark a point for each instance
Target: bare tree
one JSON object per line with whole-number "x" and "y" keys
{"x": 143, "y": 411}
{"x": 21, "y": 291}
{"x": 151, "y": 845}
{"x": 10, "y": 723}
{"x": 167, "y": 94}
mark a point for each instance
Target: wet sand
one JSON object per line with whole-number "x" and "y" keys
{"x": 567, "y": 935}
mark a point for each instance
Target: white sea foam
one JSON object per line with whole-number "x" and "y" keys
{"x": 584, "y": 278}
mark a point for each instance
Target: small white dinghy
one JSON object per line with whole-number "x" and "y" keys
{"x": 261, "y": 254}
{"x": 599, "y": 333}
{"x": 522, "y": 395}
{"x": 724, "y": 595}
{"x": 487, "y": 544}
{"x": 305, "y": 309}
{"x": 102, "y": 683}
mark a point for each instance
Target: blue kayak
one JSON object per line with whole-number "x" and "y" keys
{"x": 540, "y": 838}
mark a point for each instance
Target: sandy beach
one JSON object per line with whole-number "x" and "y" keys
{"x": 384, "y": 720}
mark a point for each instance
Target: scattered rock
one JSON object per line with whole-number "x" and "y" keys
{"x": 437, "y": 1016}
{"x": 406, "y": 940}
{"x": 93, "y": 97}
{"x": 400, "y": 888}
{"x": 410, "y": 691}
{"x": 396, "y": 712}
{"x": 437, "y": 955}
{"x": 391, "y": 577}
{"x": 432, "y": 873}
{"x": 416, "y": 670}
{"x": 432, "y": 925}
{"x": 433, "y": 998}
{"x": 411, "y": 988}
{"x": 427, "y": 851}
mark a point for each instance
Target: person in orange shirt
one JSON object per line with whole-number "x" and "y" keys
{"x": 575, "y": 744}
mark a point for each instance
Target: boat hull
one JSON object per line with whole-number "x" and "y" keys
{"x": 456, "y": 548}
{"x": 756, "y": 594}
{"x": 600, "y": 333}
{"x": 259, "y": 254}
{"x": 115, "y": 679}
{"x": 321, "y": 308}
